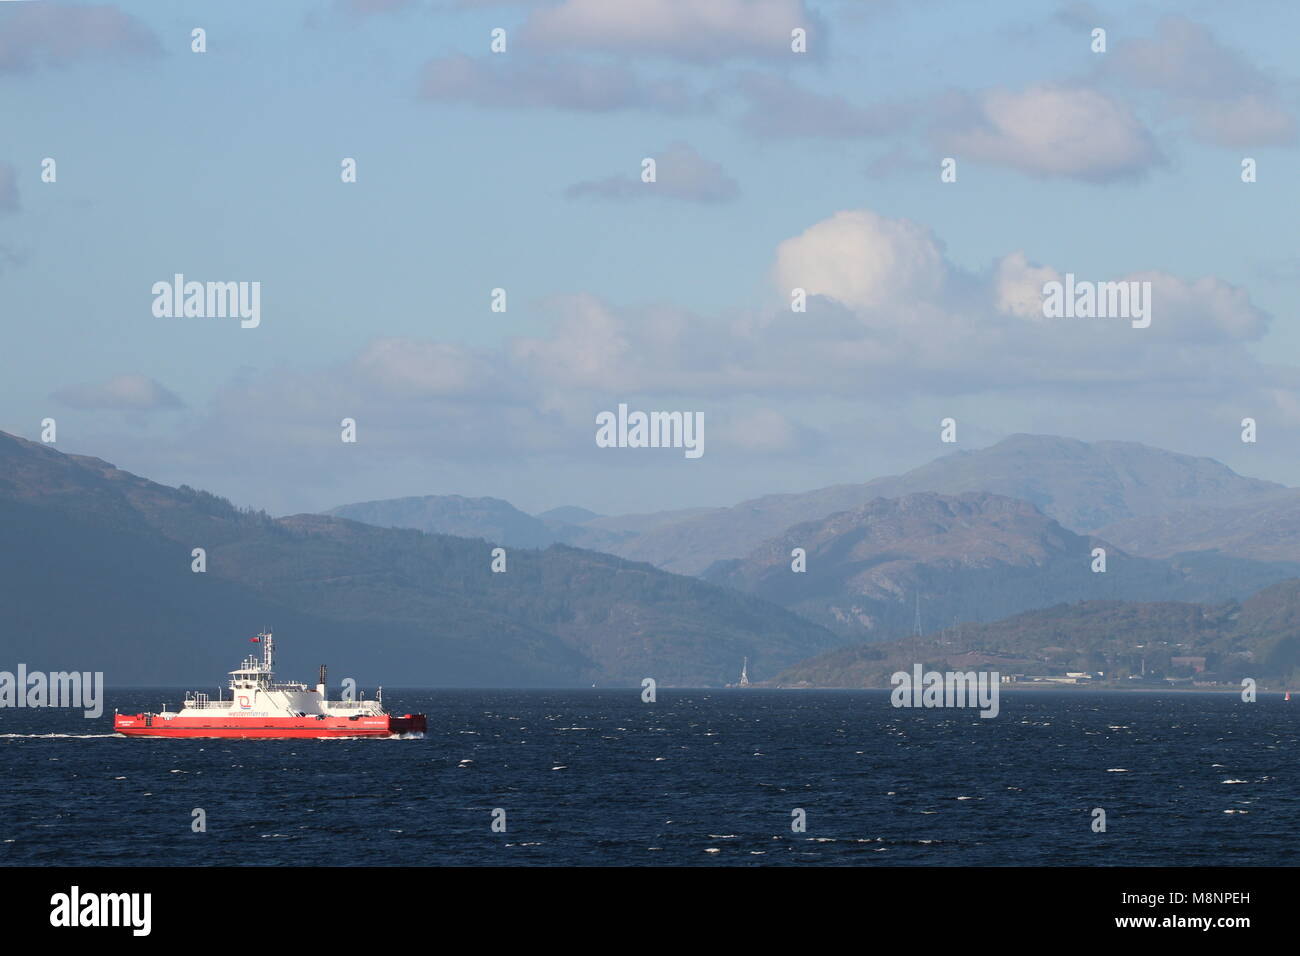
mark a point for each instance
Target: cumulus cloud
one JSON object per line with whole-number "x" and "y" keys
{"x": 1018, "y": 286}
{"x": 1050, "y": 131}
{"x": 531, "y": 83}
{"x": 863, "y": 260}
{"x": 1203, "y": 311}
{"x": 890, "y": 316}
{"x": 684, "y": 29}
{"x": 893, "y": 326}
{"x": 131, "y": 393}
{"x": 680, "y": 173}
{"x": 589, "y": 347}
{"x": 49, "y": 34}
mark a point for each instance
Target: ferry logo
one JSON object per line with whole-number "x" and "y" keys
{"x": 244, "y": 704}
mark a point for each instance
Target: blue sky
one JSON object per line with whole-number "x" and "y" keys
{"x": 225, "y": 166}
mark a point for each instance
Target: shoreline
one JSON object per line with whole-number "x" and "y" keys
{"x": 1072, "y": 688}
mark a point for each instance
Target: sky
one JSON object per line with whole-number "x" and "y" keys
{"x": 521, "y": 170}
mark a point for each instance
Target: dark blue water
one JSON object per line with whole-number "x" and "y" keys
{"x": 700, "y": 777}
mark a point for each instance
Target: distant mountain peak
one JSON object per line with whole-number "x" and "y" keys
{"x": 569, "y": 514}
{"x": 1083, "y": 485}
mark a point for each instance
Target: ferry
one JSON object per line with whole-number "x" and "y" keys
{"x": 261, "y": 707}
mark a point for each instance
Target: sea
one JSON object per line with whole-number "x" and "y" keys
{"x": 737, "y": 777}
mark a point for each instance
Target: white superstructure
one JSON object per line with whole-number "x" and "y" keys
{"x": 255, "y": 693}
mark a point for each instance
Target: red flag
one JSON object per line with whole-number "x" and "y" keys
{"x": 255, "y": 640}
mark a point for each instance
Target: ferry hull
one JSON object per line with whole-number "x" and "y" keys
{"x": 145, "y": 725}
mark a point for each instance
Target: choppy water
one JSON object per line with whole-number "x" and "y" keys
{"x": 700, "y": 777}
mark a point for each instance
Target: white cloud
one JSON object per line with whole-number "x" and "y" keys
{"x": 589, "y": 348}
{"x": 1018, "y": 286}
{"x": 862, "y": 260}
{"x": 1205, "y": 310}
{"x": 894, "y": 329}
{"x": 1047, "y": 131}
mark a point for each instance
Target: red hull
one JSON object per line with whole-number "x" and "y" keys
{"x": 146, "y": 725}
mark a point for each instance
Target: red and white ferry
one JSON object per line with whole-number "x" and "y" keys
{"x": 260, "y": 707}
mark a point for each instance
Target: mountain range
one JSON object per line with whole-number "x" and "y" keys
{"x": 1083, "y": 486}
{"x": 972, "y": 535}
{"x": 885, "y": 568}
{"x": 96, "y": 574}
{"x": 97, "y": 568}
